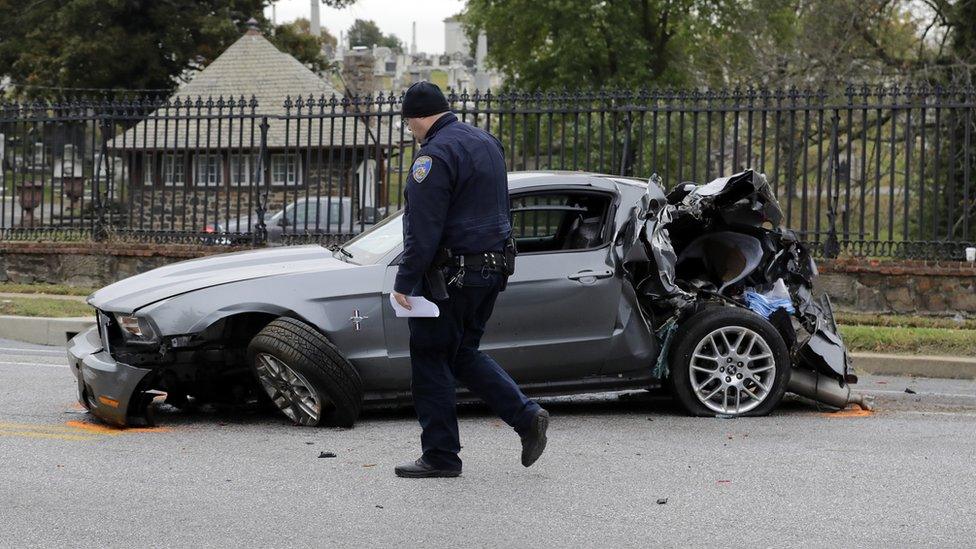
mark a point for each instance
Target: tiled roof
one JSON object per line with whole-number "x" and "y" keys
{"x": 251, "y": 67}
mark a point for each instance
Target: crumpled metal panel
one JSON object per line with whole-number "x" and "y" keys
{"x": 647, "y": 258}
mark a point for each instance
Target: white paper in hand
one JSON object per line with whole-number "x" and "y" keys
{"x": 419, "y": 307}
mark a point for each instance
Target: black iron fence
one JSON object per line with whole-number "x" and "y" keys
{"x": 867, "y": 172}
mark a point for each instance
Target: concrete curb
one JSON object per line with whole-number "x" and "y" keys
{"x": 43, "y": 330}
{"x": 946, "y": 367}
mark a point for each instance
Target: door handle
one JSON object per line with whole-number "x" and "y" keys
{"x": 589, "y": 276}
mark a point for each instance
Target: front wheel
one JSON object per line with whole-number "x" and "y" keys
{"x": 304, "y": 375}
{"x": 729, "y": 362}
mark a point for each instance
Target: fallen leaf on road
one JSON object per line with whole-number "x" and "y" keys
{"x": 369, "y": 465}
{"x": 724, "y": 482}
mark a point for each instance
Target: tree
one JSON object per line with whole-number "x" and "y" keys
{"x": 546, "y": 44}
{"x": 296, "y": 39}
{"x": 47, "y": 47}
{"x": 716, "y": 43}
{"x": 779, "y": 43}
{"x": 367, "y": 33}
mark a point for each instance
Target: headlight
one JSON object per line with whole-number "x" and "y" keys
{"x": 136, "y": 329}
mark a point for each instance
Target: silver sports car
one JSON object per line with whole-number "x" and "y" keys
{"x": 617, "y": 286}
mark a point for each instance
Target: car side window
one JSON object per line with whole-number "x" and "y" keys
{"x": 559, "y": 221}
{"x": 305, "y": 213}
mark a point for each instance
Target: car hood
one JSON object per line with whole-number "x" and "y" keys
{"x": 140, "y": 290}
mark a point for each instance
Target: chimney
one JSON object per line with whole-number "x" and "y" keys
{"x": 315, "y": 19}
{"x": 357, "y": 71}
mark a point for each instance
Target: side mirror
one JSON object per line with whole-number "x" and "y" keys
{"x": 283, "y": 221}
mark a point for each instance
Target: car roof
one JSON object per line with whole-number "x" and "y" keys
{"x": 525, "y": 179}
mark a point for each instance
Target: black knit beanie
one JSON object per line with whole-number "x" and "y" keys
{"x": 423, "y": 99}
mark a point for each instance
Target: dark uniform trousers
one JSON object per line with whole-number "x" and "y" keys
{"x": 444, "y": 349}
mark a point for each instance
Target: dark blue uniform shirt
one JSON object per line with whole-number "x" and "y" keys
{"x": 456, "y": 197}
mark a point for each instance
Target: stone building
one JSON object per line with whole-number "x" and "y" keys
{"x": 192, "y": 146}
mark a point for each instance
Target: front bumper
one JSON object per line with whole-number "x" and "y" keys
{"x": 105, "y": 387}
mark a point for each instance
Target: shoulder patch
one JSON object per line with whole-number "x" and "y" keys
{"x": 421, "y": 167}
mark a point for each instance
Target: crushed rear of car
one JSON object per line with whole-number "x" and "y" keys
{"x": 718, "y": 255}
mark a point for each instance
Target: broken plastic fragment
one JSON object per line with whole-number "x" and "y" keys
{"x": 327, "y": 455}
{"x": 765, "y": 304}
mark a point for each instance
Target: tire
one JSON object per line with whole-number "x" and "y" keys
{"x": 302, "y": 372}
{"x": 748, "y": 375}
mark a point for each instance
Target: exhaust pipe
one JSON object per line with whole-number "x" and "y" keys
{"x": 826, "y": 390}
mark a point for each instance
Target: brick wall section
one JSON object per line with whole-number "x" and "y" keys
{"x": 882, "y": 286}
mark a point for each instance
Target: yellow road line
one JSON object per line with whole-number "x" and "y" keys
{"x": 7, "y": 426}
{"x": 70, "y": 430}
{"x": 41, "y": 434}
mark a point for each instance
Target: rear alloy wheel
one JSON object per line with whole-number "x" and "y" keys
{"x": 304, "y": 375}
{"x": 729, "y": 362}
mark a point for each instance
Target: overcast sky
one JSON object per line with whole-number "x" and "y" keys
{"x": 392, "y": 16}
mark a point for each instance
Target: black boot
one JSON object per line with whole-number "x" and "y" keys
{"x": 534, "y": 440}
{"x": 421, "y": 469}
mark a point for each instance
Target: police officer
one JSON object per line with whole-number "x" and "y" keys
{"x": 456, "y": 221}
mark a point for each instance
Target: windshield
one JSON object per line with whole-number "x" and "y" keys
{"x": 372, "y": 245}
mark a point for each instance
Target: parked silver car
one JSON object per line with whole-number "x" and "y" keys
{"x": 616, "y": 287}
{"x": 315, "y": 214}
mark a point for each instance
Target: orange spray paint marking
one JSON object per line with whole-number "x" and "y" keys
{"x": 848, "y": 412}
{"x": 113, "y": 430}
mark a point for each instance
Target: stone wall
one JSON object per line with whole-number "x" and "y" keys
{"x": 916, "y": 287}
{"x": 89, "y": 264}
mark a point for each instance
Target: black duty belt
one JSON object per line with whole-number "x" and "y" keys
{"x": 493, "y": 261}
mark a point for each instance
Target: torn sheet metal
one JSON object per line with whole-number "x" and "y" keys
{"x": 647, "y": 258}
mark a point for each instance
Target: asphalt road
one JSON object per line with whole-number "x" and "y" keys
{"x": 801, "y": 477}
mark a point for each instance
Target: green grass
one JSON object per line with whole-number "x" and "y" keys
{"x": 44, "y": 306}
{"x": 56, "y": 289}
{"x": 910, "y": 340}
{"x": 905, "y": 321}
